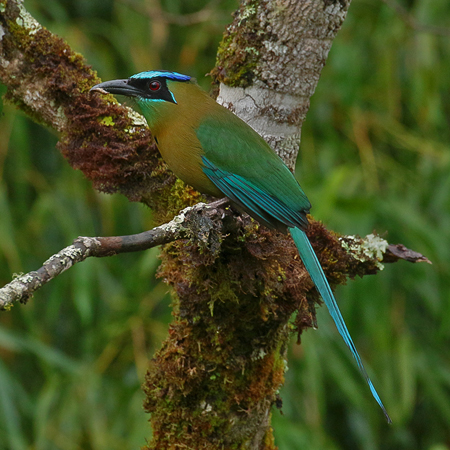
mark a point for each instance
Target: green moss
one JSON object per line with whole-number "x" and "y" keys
{"x": 239, "y": 51}
{"x": 107, "y": 121}
{"x": 225, "y": 355}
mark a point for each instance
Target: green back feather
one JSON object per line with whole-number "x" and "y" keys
{"x": 251, "y": 168}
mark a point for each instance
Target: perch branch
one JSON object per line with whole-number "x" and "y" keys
{"x": 199, "y": 223}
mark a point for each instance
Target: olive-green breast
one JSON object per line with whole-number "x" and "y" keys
{"x": 175, "y": 125}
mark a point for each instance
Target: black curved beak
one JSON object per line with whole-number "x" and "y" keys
{"x": 120, "y": 87}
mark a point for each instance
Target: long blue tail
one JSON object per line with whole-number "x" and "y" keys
{"x": 315, "y": 271}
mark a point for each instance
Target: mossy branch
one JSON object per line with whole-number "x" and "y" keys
{"x": 201, "y": 223}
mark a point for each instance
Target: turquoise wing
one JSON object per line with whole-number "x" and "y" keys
{"x": 243, "y": 166}
{"x": 261, "y": 205}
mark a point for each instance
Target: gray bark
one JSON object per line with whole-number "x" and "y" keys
{"x": 282, "y": 47}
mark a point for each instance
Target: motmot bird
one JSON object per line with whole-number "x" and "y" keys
{"x": 216, "y": 153}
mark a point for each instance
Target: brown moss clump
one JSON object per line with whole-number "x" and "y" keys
{"x": 101, "y": 141}
{"x": 51, "y": 83}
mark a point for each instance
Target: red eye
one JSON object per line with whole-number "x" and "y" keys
{"x": 154, "y": 85}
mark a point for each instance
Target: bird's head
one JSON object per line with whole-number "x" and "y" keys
{"x": 152, "y": 90}
{"x": 151, "y": 86}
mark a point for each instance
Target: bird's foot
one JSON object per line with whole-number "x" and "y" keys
{"x": 219, "y": 203}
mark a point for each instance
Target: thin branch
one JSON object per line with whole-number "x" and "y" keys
{"x": 201, "y": 223}
{"x": 374, "y": 249}
{"x": 399, "y": 251}
{"x": 413, "y": 23}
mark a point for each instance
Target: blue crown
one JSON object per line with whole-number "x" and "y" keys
{"x": 163, "y": 74}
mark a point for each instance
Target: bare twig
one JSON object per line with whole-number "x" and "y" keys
{"x": 200, "y": 222}
{"x": 412, "y": 22}
{"x": 399, "y": 251}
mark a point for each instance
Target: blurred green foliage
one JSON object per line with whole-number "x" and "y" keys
{"x": 375, "y": 154}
